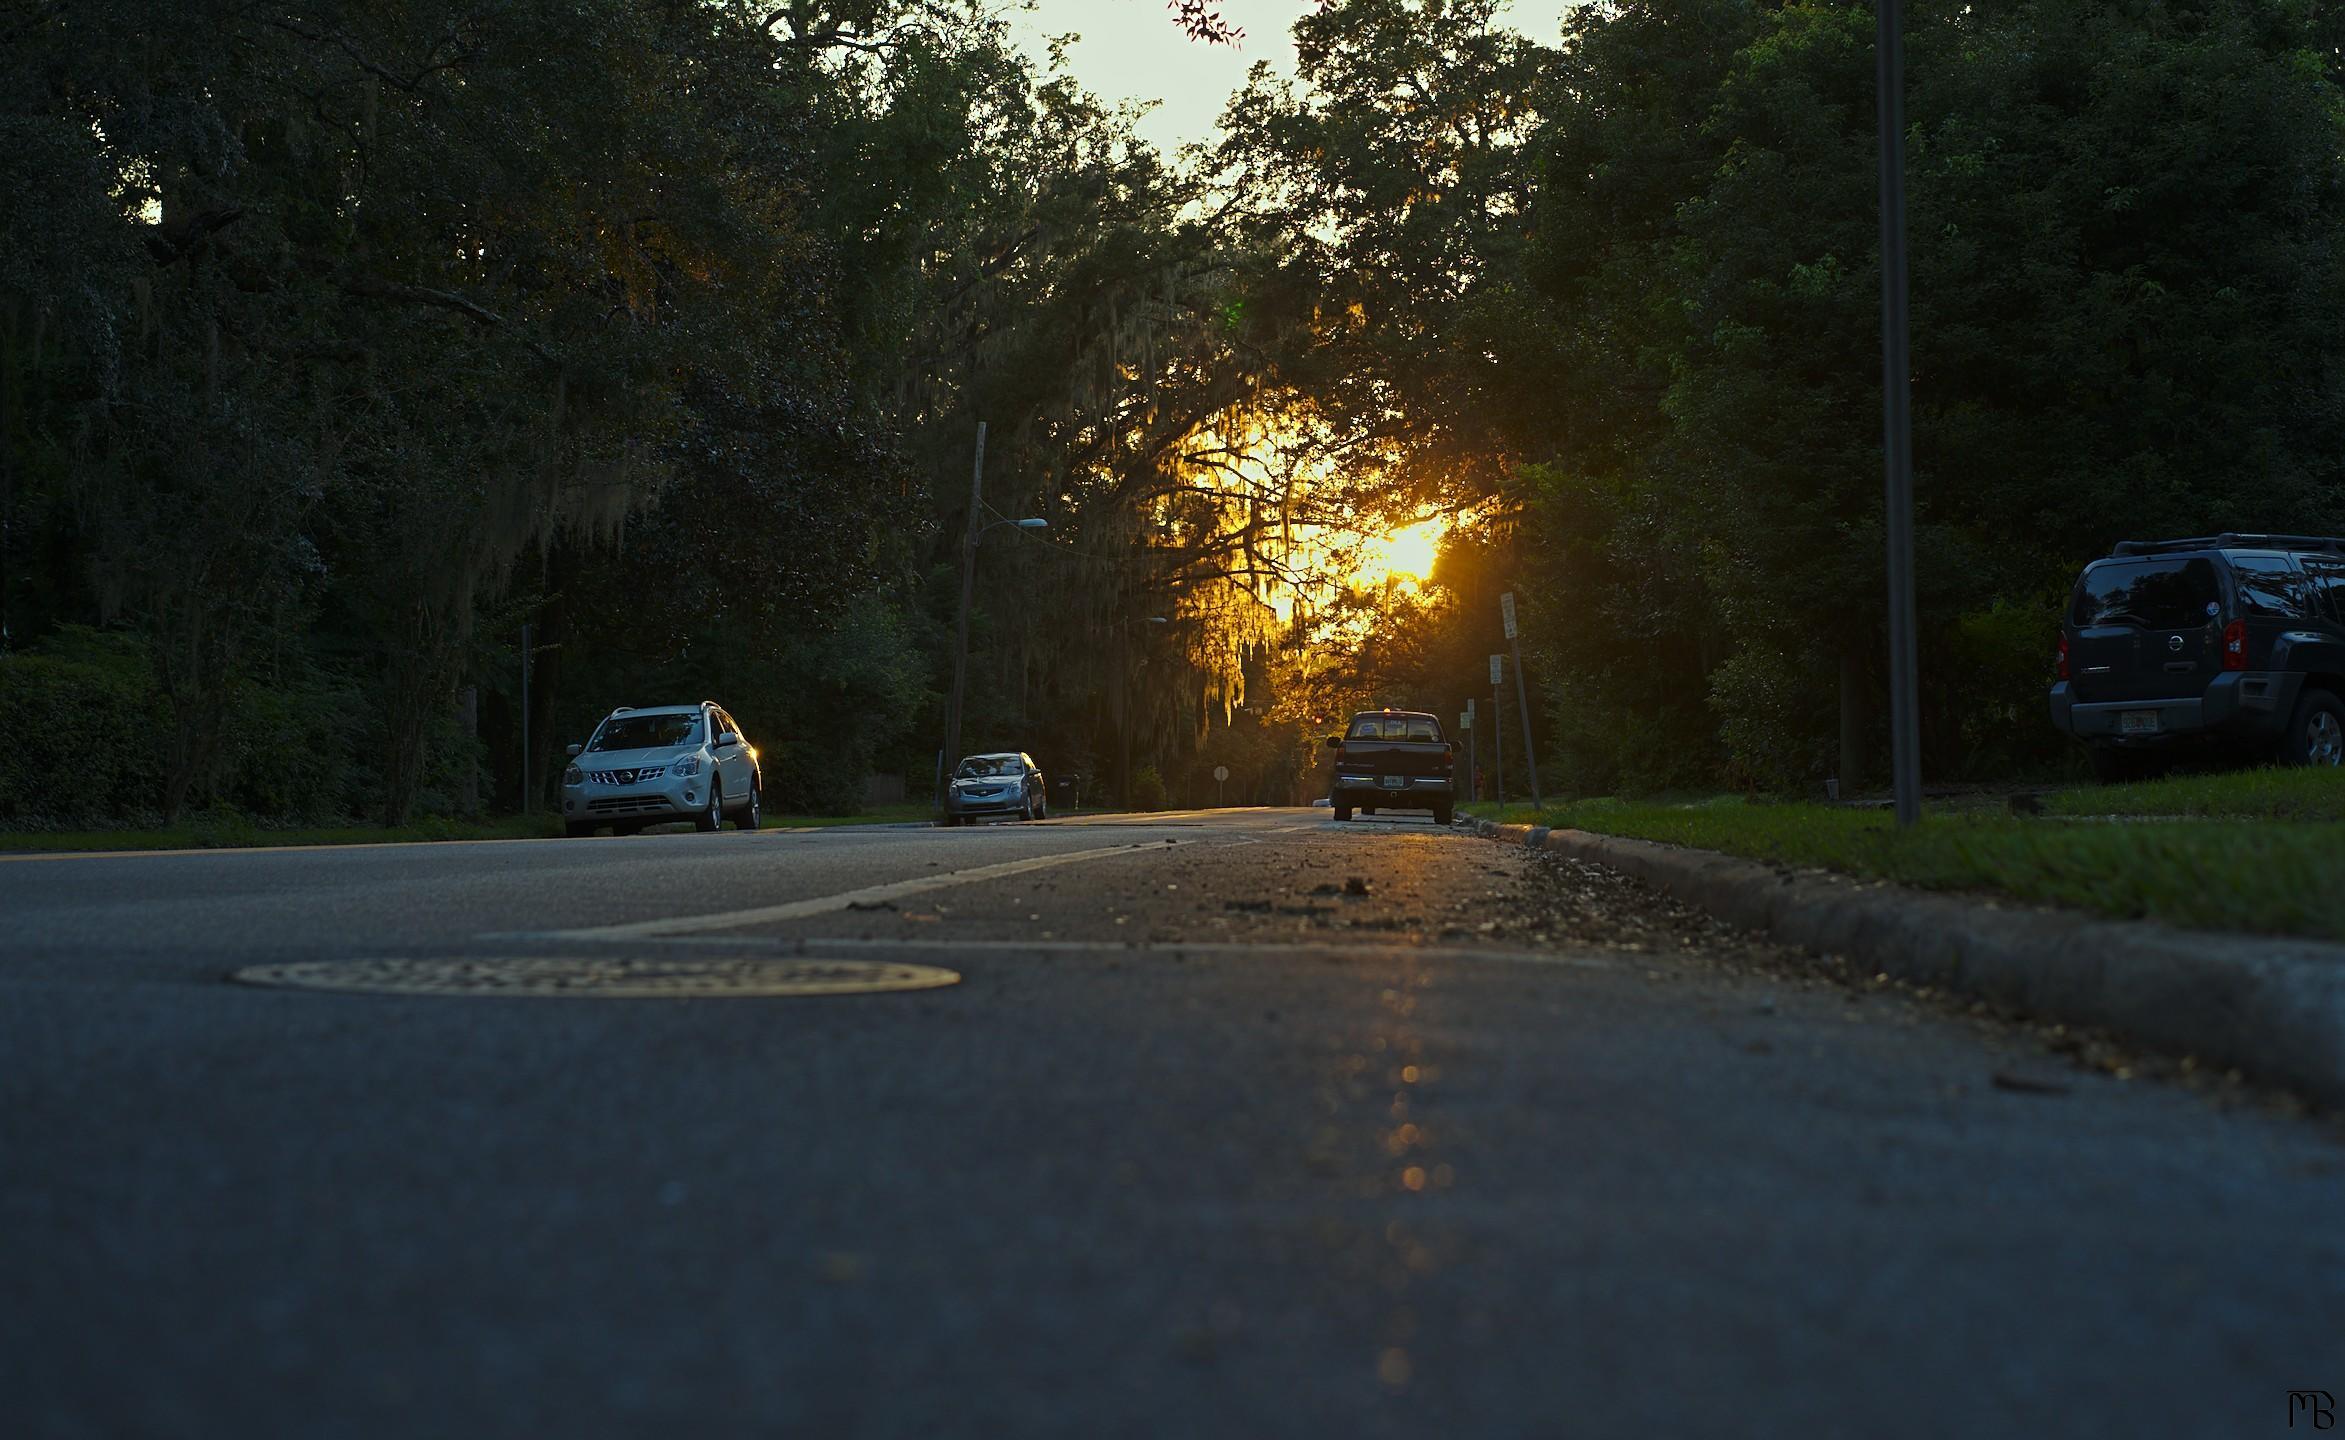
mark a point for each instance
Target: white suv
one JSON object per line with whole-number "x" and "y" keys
{"x": 658, "y": 764}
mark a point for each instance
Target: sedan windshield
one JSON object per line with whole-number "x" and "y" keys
{"x": 979, "y": 767}
{"x": 647, "y": 732}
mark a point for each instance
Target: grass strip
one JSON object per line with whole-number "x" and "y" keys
{"x": 2261, "y": 876}
{"x": 877, "y": 815}
{"x": 2299, "y": 793}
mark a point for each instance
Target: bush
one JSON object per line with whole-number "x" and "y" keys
{"x": 1147, "y": 789}
{"x": 86, "y": 732}
{"x": 89, "y": 732}
{"x": 1777, "y": 720}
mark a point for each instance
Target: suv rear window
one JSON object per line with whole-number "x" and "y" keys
{"x": 1397, "y": 727}
{"x": 2165, "y": 593}
{"x": 2269, "y": 585}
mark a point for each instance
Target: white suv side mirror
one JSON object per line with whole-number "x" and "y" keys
{"x": 574, "y": 751}
{"x": 728, "y": 738}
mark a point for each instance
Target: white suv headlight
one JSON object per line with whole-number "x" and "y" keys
{"x": 574, "y": 776}
{"x": 689, "y": 765}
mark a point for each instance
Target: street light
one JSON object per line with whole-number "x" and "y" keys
{"x": 1905, "y": 748}
{"x": 975, "y": 532}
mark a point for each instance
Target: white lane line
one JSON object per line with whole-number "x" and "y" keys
{"x": 1330, "y": 949}
{"x": 826, "y": 904}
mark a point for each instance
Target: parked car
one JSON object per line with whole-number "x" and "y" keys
{"x": 2231, "y": 642}
{"x": 1002, "y": 786}
{"x": 656, "y": 764}
{"x": 1393, "y": 759}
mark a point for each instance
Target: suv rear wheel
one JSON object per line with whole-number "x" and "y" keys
{"x": 1343, "y": 812}
{"x": 2316, "y": 736}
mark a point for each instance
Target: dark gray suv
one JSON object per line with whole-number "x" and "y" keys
{"x": 2224, "y": 641}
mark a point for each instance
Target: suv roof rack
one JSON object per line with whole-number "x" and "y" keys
{"x": 2229, "y": 540}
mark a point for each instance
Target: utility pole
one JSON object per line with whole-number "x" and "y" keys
{"x": 968, "y": 596}
{"x": 1521, "y": 693}
{"x": 1905, "y": 746}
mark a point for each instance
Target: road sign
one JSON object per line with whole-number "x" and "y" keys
{"x": 1497, "y": 671}
{"x": 1506, "y": 612}
{"x": 1221, "y": 772}
{"x": 1466, "y": 721}
{"x": 1469, "y": 712}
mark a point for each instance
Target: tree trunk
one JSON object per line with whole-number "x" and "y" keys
{"x": 1855, "y": 720}
{"x": 468, "y": 724}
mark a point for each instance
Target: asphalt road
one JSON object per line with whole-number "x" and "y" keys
{"x": 1204, "y": 1143}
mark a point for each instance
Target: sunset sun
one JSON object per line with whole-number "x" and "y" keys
{"x": 1405, "y": 555}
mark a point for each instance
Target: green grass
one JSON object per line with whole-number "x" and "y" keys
{"x": 2292, "y": 794}
{"x": 239, "y": 833}
{"x": 2248, "y": 852}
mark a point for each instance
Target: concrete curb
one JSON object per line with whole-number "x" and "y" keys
{"x": 2271, "y": 1006}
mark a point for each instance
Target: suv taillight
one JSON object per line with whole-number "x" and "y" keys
{"x": 2235, "y": 645}
{"x": 2060, "y": 659}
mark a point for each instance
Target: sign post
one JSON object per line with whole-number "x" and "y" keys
{"x": 1521, "y": 693}
{"x": 1220, "y": 773}
{"x": 1498, "y": 730}
{"x": 1465, "y": 722}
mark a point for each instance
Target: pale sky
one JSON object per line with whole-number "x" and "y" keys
{"x": 1131, "y": 50}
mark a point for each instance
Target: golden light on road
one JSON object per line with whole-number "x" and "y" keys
{"x": 1405, "y": 556}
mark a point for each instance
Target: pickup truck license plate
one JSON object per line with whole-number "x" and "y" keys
{"x": 1396, "y": 782}
{"x": 2137, "y": 722}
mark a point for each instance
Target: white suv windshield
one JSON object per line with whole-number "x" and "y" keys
{"x": 647, "y": 732}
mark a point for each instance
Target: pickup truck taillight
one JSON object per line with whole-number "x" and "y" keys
{"x": 2235, "y": 645}
{"x": 2060, "y": 659}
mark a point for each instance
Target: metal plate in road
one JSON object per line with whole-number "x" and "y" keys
{"x": 608, "y": 978}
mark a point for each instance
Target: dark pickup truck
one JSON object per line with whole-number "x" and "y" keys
{"x": 1396, "y": 760}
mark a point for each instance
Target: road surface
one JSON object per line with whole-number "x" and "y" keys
{"x": 1238, "y": 1123}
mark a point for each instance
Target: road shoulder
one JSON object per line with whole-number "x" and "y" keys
{"x": 2269, "y": 1006}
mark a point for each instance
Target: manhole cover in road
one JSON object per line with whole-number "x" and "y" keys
{"x": 617, "y": 978}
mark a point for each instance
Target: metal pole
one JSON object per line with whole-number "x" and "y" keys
{"x": 968, "y": 593}
{"x": 1473, "y": 762}
{"x": 527, "y": 786}
{"x": 1522, "y": 699}
{"x": 1498, "y": 743}
{"x": 1905, "y": 749}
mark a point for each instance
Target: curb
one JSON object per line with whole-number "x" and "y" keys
{"x": 2268, "y": 1005}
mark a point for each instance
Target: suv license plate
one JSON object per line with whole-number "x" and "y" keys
{"x": 1396, "y": 782}
{"x": 2137, "y": 722}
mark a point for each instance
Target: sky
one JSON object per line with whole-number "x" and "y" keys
{"x": 1131, "y": 50}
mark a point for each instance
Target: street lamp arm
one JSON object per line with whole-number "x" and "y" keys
{"x": 1021, "y": 524}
